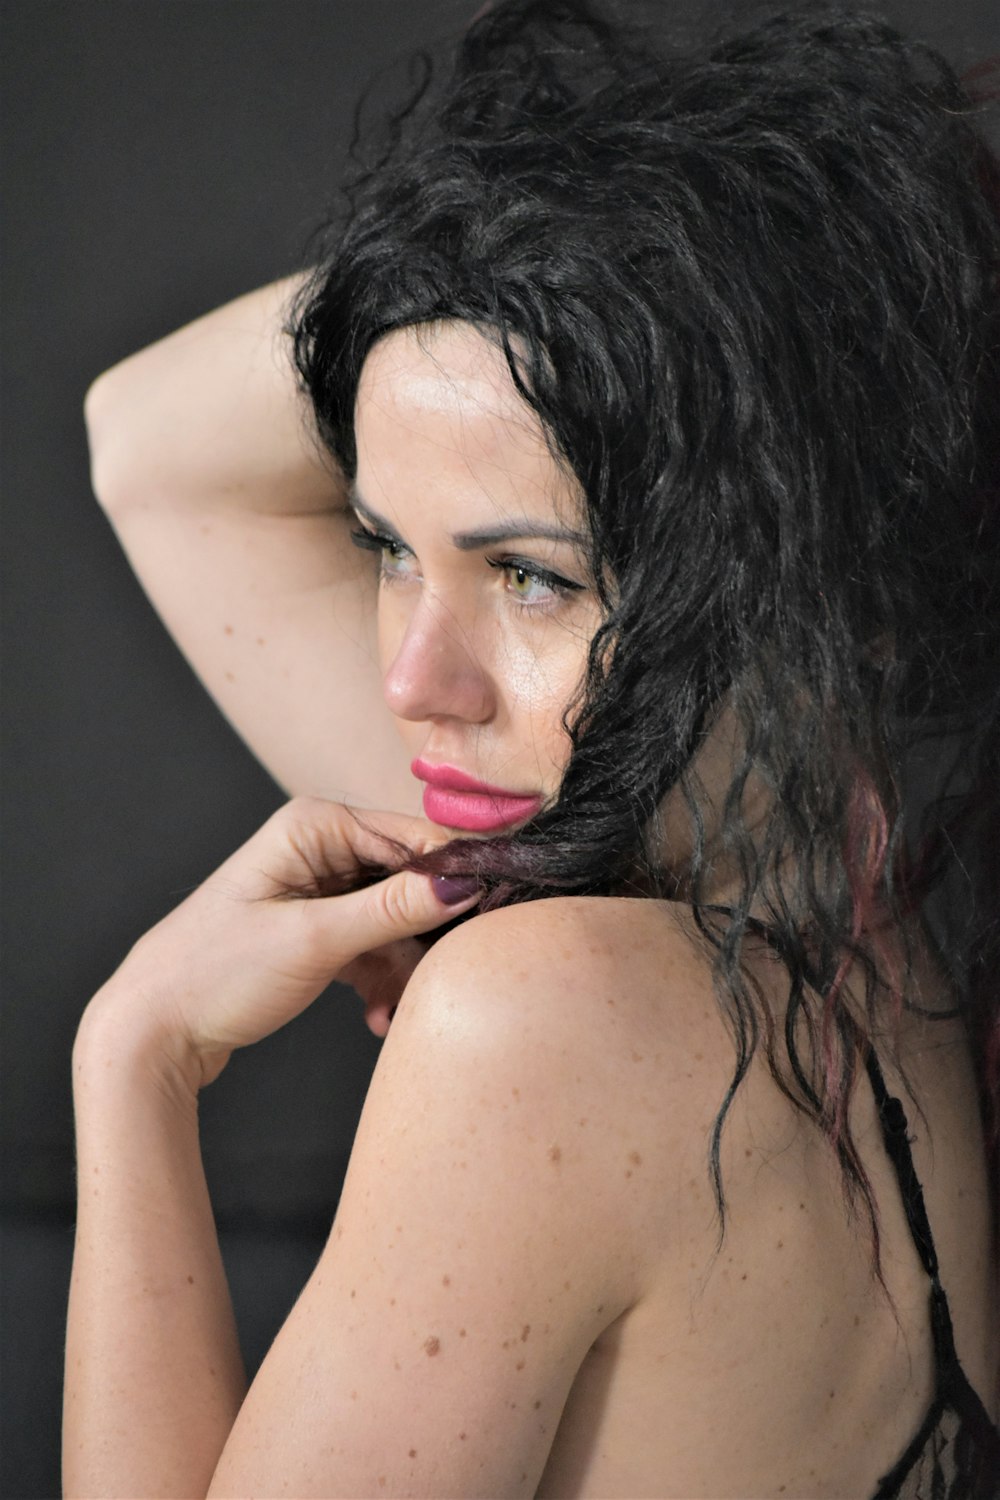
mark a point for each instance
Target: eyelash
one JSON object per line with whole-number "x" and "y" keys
{"x": 377, "y": 541}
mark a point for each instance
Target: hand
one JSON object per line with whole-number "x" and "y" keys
{"x": 380, "y": 977}
{"x": 255, "y": 944}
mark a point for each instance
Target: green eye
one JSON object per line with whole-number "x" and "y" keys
{"x": 522, "y": 580}
{"x": 533, "y": 585}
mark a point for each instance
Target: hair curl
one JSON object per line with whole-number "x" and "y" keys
{"x": 752, "y": 294}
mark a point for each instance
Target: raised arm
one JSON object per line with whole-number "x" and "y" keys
{"x": 206, "y": 462}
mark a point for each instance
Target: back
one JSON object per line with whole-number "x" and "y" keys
{"x": 774, "y": 1365}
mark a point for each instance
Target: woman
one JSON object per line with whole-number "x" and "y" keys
{"x": 661, "y": 396}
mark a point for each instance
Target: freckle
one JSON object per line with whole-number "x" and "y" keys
{"x": 636, "y": 1056}
{"x": 446, "y": 1281}
{"x": 802, "y": 1205}
{"x": 392, "y": 1302}
{"x": 601, "y": 1308}
{"x": 354, "y": 1395}
{"x": 413, "y": 1452}
{"x": 206, "y": 530}
{"x": 857, "y": 1321}
{"x": 583, "y": 1121}
{"x": 566, "y": 1286}
{"x": 432, "y": 1345}
{"x": 612, "y": 1004}
{"x": 227, "y": 630}
{"x": 461, "y": 1437}
{"x": 516, "y": 1093}
{"x": 381, "y": 1480}
{"x": 555, "y": 1154}
{"x": 353, "y": 1292}
{"x": 748, "y": 1152}
{"x": 781, "y": 1489}
{"x": 524, "y": 1333}
{"x": 635, "y": 1158}
{"x": 781, "y": 1244}
{"x": 461, "y": 1333}
{"x": 395, "y": 1364}
{"x": 628, "y": 1174}
{"x": 505, "y": 1344}
{"x": 519, "y": 1365}
{"x": 537, "y": 1405}
{"x": 260, "y": 640}
{"x": 832, "y": 1394}
{"x": 230, "y": 677}
{"x": 744, "y": 1276}
{"x": 340, "y": 1233}
{"x": 190, "y": 1281}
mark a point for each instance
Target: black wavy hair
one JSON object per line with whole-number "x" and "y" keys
{"x": 753, "y": 293}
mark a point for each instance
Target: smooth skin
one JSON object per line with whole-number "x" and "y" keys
{"x": 523, "y": 1290}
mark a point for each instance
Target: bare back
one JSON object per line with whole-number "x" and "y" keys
{"x": 775, "y": 1366}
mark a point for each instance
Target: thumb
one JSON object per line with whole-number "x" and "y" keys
{"x": 403, "y": 905}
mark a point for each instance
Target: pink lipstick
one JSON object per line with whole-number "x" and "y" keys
{"x": 457, "y": 800}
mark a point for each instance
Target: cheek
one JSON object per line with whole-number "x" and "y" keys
{"x": 539, "y": 686}
{"x": 392, "y": 620}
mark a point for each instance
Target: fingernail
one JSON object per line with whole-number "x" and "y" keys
{"x": 451, "y": 889}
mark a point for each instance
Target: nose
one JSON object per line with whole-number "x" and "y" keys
{"x": 435, "y": 671}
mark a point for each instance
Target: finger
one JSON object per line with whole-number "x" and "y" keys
{"x": 330, "y": 838}
{"x": 391, "y": 837}
{"x": 400, "y": 906}
{"x": 378, "y": 1015}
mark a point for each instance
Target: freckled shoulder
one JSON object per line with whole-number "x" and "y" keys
{"x": 594, "y": 1020}
{"x": 598, "y": 967}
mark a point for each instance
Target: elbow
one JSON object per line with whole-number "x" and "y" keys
{"x": 105, "y": 422}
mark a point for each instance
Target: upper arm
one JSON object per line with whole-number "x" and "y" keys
{"x": 474, "y": 1258}
{"x": 205, "y": 458}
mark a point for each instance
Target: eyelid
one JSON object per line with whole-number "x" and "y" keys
{"x": 364, "y": 535}
{"x": 536, "y": 570}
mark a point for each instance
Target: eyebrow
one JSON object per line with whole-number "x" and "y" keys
{"x": 487, "y": 536}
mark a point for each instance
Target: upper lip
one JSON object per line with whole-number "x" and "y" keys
{"x": 450, "y": 779}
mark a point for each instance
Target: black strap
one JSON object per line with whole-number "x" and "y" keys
{"x": 896, "y": 1135}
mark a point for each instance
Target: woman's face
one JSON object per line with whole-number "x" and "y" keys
{"x": 486, "y": 606}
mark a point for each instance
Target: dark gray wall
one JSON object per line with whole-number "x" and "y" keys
{"x": 159, "y": 157}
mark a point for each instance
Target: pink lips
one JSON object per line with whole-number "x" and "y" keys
{"x": 456, "y": 800}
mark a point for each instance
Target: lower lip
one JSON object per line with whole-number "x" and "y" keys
{"x": 477, "y": 812}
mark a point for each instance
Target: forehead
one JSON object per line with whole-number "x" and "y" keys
{"x": 442, "y": 369}
{"x": 437, "y": 401}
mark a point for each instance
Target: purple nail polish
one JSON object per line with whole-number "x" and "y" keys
{"x": 451, "y": 889}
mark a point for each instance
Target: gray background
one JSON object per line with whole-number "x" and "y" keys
{"x": 159, "y": 157}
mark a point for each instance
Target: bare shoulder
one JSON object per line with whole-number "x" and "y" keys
{"x": 594, "y": 1021}
{"x": 583, "y": 968}
{"x": 507, "y": 1201}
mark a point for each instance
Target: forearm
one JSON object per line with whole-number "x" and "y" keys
{"x": 154, "y": 1376}
{"x": 211, "y": 417}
